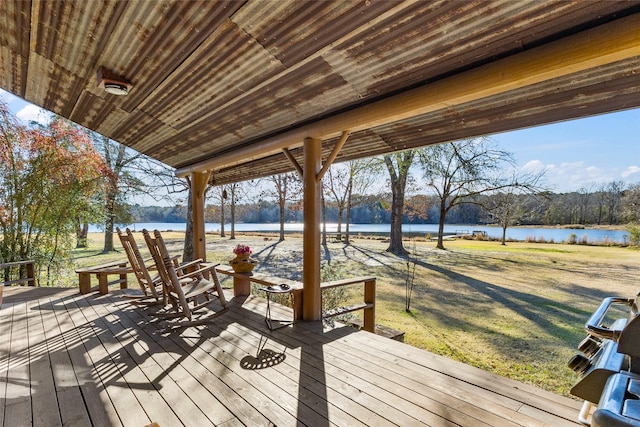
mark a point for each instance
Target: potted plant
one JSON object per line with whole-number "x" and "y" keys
{"x": 243, "y": 263}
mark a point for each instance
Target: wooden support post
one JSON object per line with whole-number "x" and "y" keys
{"x": 198, "y": 184}
{"x": 312, "y": 301}
{"x": 241, "y": 285}
{"x": 369, "y": 321}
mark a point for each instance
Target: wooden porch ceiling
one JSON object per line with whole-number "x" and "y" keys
{"x": 216, "y": 80}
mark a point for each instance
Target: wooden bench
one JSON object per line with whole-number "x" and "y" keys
{"x": 242, "y": 287}
{"x": 30, "y": 278}
{"x": 102, "y": 272}
{"x": 336, "y": 237}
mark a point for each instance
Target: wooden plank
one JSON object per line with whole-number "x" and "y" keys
{"x": 166, "y": 401}
{"x": 30, "y": 279}
{"x": 243, "y": 382}
{"x": 483, "y": 384}
{"x": 63, "y": 342}
{"x": 325, "y": 400}
{"x": 209, "y": 398}
{"x": 44, "y": 401}
{"x": 356, "y": 395}
{"x": 18, "y": 392}
{"x": 311, "y": 408}
{"x": 15, "y": 281}
{"x": 336, "y": 377}
{"x": 6, "y": 324}
{"x": 81, "y": 343}
{"x": 222, "y": 384}
{"x": 346, "y": 309}
{"x": 92, "y": 362}
{"x": 115, "y": 266}
{"x": 346, "y": 282}
{"x": 394, "y": 375}
{"x": 357, "y": 362}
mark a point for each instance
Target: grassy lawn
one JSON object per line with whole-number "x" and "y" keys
{"x": 516, "y": 310}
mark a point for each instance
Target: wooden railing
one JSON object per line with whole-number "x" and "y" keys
{"x": 29, "y": 277}
{"x": 242, "y": 286}
{"x": 368, "y": 305}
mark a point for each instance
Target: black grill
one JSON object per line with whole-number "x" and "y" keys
{"x": 608, "y": 361}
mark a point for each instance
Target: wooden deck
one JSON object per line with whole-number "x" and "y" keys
{"x": 71, "y": 359}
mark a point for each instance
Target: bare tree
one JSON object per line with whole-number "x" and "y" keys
{"x": 287, "y": 188}
{"x": 631, "y": 203}
{"x": 122, "y": 180}
{"x": 220, "y": 196}
{"x": 614, "y": 193}
{"x": 510, "y": 204}
{"x": 338, "y": 186}
{"x": 459, "y": 171}
{"x": 363, "y": 174}
{"x": 585, "y": 193}
{"x": 398, "y": 166}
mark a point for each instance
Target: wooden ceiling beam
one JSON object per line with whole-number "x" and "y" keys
{"x": 606, "y": 44}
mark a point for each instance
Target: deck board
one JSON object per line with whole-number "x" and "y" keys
{"x": 45, "y": 401}
{"x": 71, "y": 359}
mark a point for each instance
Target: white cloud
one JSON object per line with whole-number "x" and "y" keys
{"x": 534, "y": 166}
{"x": 571, "y": 176}
{"x": 33, "y": 113}
{"x": 631, "y": 172}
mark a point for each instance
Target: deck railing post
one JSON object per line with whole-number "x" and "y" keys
{"x": 369, "y": 321}
{"x": 31, "y": 274}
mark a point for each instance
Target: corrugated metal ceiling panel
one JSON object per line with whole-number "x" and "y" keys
{"x": 211, "y": 76}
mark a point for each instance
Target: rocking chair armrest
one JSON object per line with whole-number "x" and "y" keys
{"x": 186, "y": 265}
{"x": 206, "y": 267}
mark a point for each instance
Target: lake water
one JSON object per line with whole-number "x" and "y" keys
{"x": 514, "y": 233}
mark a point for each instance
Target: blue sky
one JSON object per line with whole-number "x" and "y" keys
{"x": 578, "y": 153}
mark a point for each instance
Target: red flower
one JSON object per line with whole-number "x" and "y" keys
{"x": 242, "y": 250}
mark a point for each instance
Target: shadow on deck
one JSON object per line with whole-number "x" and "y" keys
{"x": 101, "y": 360}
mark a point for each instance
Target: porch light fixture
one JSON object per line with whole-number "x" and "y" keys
{"x": 112, "y": 83}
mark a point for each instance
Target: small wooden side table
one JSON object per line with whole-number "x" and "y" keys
{"x": 282, "y": 289}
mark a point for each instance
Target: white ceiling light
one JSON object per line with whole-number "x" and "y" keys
{"x": 112, "y": 83}
{"x": 116, "y": 89}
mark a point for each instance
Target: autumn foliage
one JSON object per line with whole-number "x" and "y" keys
{"x": 48, "y": 175}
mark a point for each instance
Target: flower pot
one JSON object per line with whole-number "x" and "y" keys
{"x": 243, "y": 263}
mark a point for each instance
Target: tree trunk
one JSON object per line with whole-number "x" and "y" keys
{"x": 188, "y": 252}
{"x": 111, "y": 216}
{"x": 281, "y": 203}
{"x": 398, "y": 174}
{"x": 397, "y": 209}
{"x": 324, "y": 217}
{"x": 233, "y": 212}
{"x": 81, "y": 235}
{"x": 348, "y": 219}
{"x": 222, "y": 217}
{"x": 441, "y": 220}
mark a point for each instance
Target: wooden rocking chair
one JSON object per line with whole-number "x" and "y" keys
{"x": 151, "y": 285}
{"x": 148, "y": 284}
{"x": 182, "y": 288}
